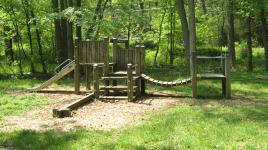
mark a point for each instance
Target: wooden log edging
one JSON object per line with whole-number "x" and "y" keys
{"x": 66, "y": 110}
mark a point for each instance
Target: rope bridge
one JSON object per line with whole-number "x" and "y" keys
{"x": 166, "y": 83}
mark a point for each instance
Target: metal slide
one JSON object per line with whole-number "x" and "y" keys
{"x": 60, "y": 74}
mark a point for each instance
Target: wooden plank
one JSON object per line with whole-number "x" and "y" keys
{"x": 210, "y": 57}
{"x": 210, "y": 76}
{"x": 114, "y": 97}
{"x": 66, "y": 110}
{"x": 87, "y": 55}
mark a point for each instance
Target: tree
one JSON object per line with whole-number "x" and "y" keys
{"x": 185, "y": 29}
{"x": 264, "y": 35}
{"x": 249, "y": 44}
{"x": 231, "y": 30}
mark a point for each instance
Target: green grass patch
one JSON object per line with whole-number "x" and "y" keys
{"x": 196, "y": 126}
{"x": 13, "y": 102}
{"x": 183, "y": 127}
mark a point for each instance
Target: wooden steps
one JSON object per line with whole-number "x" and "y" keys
{"x": 118, "y": 78}
{"x": 121, "y": 73}
{"x": 114, "y": 97}
{"x": 116, "y": 88}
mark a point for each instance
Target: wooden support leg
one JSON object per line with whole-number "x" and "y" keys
{"x": 143, "y": 87}
{"x": 96, "y": 80}
{"x": 77, "y": 79}
{"x": 223, "y": 86}
{"x": 89, "y": 71}
{"x": 130, "y": 82}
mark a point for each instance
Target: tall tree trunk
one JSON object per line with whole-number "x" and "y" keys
{"x": 94, "y": 19}
{"x": 171, "y": 51}
{"x": 8, "y": 46}
{"x": 78, "y": 26}
{"x": 39, "y": 43}
{"x": 57, "y": 26}
{"x": 185, "y": 29}
{"x": 192, "y": 35}
{"x": 70, "y": 40}
{"x": 264, "y": 36}
{"x": 64, "y": 38}
{"x": 249, "y": 45}
{"x": 203, "y": 3}
{"x": 100, "y": 19}
{"x": 159, "y": 36}
{"x": 26, "y": 8}
{"x": 230, "y": 25}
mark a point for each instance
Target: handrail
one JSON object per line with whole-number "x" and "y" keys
{"x": 62, "y": 64}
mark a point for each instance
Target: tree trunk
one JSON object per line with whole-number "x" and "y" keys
{"x": 70, "y": 40}
{"x": 231, "y": 35}
{"x": 185, "y": 29}
{"x": 57, "y": 26}
{"x": 39, "y": 43}
{"x": 64, "y": 38}
{"x": 8, "y": 46}
{"x": 264, "y": 36}
{"x": 203, "y": 3}
{"x": 78, "y": 26}
{"x": 26, "y": 8}
{"x": 249, "y": 45}
{"x": 192, "y": 35}
{"x": 93, "y": 22}
{"x": 159, "y": 37}
{"x": 171, "y": 51}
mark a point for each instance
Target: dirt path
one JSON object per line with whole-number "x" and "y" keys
{"x": 99, "y": 115}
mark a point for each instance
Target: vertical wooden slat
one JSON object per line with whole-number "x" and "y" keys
{"x": 84, "y": 52}
{"x": 115, "y": 43}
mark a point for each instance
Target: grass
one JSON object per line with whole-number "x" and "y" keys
{"x": 198, "y": 126}
{"x": 10, "y": 104}
{"x": 184, "y": 127}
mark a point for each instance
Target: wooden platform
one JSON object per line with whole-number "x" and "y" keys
{"x": 210, "y": 76}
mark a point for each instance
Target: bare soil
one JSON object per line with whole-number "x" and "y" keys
{"x": 100, "y": 115}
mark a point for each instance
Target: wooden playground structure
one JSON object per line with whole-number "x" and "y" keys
{"x": 120, "y": 74}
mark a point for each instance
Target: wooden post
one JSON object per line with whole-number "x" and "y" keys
{"x": 77, "y": 67}
{"x": 88, "y": 69}
{"x": 224, "y": 73}
{"x": 138, "y": 69}
{"x": 193, "y": 74}
{"x": 105, "y": 47}
{"x": 192, "y": 36}
{"x": 129, "y": 82}
{"x": 115, "y": 44}
{"x": 115, "y": 53}
{"x": 227, "y": 75}
{"x": 96, "y": 81}
{"x": 143, "y": 69}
